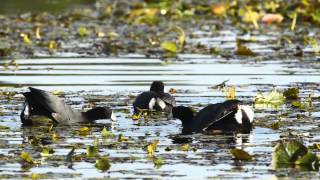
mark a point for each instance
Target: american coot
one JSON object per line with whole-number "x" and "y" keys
{"x": 42, "y": 103}
{"x": 155, "y": 99}
{"x": 231, "y": 115}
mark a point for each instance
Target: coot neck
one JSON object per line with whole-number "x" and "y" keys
{"x": 189, "y": 125}
{"x": 91, "y": 116}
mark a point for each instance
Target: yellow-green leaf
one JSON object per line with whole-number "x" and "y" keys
{"x": 287, "y": 152}
{"x": 122, "y": 138}
{"x": 26, "y": 38}
{"x": 84, "y": 131}
{"x": 4, "y": 127}
{"x": 103, "y": 163}
{"x": 158, "y": 162}
{"x": 298, "y": 104}
{"x": 83, "y": 31}
{"x": 53, "y": 45}
{"x": 291, "y": 93}
{"x": 240, "y": 154}
{"x": 181, "y": 37}
{"x": 152, "y": 147}
{"x": 251, "y": 16}
{"x": 275, "y": 125}
{"x": 105, "y": 133}
{"x": 96, "y": 142}
{"x": 244, "y": 51}
{"x": 231, "y": 93}
{"x": 294, "y": 21}
{"x": 272, "y": 98}
{"x": 26, "y": 157}
{"x": 185, "y": 147}
{"x": 92, "y": 151}
{"x": 55, "y": 136}
{"x": 169, "y": 46}
{"x": 46, "y": 151}
{"x": 38, "y": 36}
{"x": 308, "y": 160}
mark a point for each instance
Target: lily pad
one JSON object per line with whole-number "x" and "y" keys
{"x": 273, "y": 98}
{"x": 288, "y": 152}
{"x": 169, "y": 46}
{"x": 292, "y": 152}
{"x": 152, "y": 147}
{"x": 105, "y": 133}
{"x": 291, "y": 93}
{"x": 240, "y": 154}
{"x": 185, "y": 147}
{"x": 92, "y": 151}
{"x": 103, "y": 164}
{"x": 309, "y": 161}
{"x": 158, "y": 162}
{"x": 83, "y": 31}
{"x": 26, "y": 157}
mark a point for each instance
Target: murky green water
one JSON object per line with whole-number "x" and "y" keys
{"x": 112, "y": 82}
{"x": 18, "y": 6}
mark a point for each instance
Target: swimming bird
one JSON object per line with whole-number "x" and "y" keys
{"x": 229, "y": 116}
{"x": 154, "y": 99}
{"x": 41, "y": 103}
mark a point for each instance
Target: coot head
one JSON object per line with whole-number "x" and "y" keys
{"x": 185, "y": 114}
{"x": 100, "y": 113}
{"x": 157, "y": 86}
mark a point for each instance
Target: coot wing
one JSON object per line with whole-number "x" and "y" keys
{"x": 45, "y": 103}
{"x": 216, "y": 112}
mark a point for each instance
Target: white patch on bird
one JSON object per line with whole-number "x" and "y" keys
{"x": 113, "y": 116}
{"x": 26, "y": 110}
{"x": 238, "y": 115}
{"x": 152, "y": 103}
{"x": 249, "y": 112}
{"x": 161, "y": 103}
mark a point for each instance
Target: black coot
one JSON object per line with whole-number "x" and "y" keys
{"x": 231, "y": 115}
{"x": 42, "y": 103}
{"x": 155, "y": 99}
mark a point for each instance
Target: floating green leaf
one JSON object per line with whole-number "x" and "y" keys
{"x": 122, "y": 138}
{"x": 275, "y": 125}
{"x": 83, "y": 31}
{"x": 103, "y": 163}
{"x": 181, "y": 37}
{"x": 273, "y": 98}
{"x": 4, "y": 127}
{"x": 169, "y": 46}
{"x": 230, "y": 92}
{"x": 243, "y": 51}
{"x": 26, "y": 38}
{"x": 158, "y": 162}
{"x": 26, "y": 157}
{"x": 309, "y": 160}
{"x": 92, "y": 151}
{"x": 152, "y": 147}
{"x": 292, "y": 152}
{"x": 105, "y": 133}
{"x": 46, "y": 151}
{"x": 185, "y": 147}
{"x": 240, "y": 154}
{"x": 291, "y": 93}
{"x": 298, "y": 104}
{"x": 85, "y": 131}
